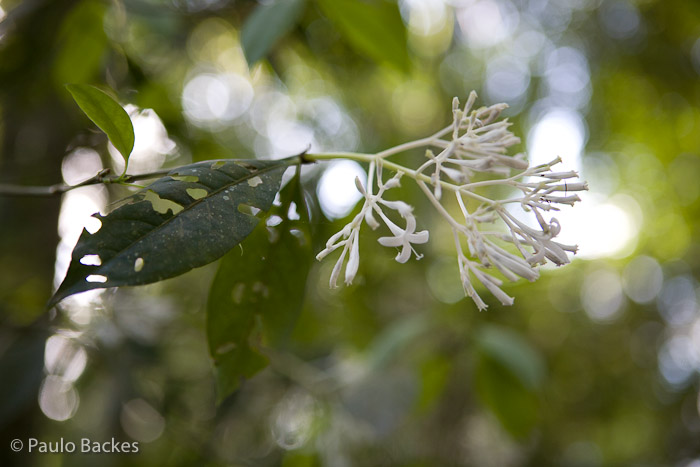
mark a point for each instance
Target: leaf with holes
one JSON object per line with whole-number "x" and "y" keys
{"x": 258, "y": 291}
{"x": 107, "y": 114}
{"x": 186, "y": 219}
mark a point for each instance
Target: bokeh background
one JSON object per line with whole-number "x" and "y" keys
{"x": 596, "y": 363}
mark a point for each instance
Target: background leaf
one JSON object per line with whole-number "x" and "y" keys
{"x": 266, "y": 25}
{"x": 373, "y": 28}
{"x": 508, "y": 374}
{"x": 107, "y": 114}
{"x": 514, "y": 353}
{"x": 262, "y": 283}
{"x": 184, "y": 220}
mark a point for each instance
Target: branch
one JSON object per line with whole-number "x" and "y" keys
{"x": 102, "y": 177}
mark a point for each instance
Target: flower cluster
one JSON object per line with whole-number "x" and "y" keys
{"x": 473, "y": 158}
{"x": 348, "y": 237}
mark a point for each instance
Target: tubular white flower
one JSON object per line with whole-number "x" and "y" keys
{"x": 475, "y": 145}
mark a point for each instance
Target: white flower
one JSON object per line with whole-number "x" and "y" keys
{"x": 405, "y": 238}
{"x": 478, "y": 145}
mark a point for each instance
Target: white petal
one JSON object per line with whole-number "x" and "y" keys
{"x": 405, "y": 254}
{"x": 353, "y": 261}
{"x": 333, "y": 282}
{"x": 419, "y": 237}
{"x": 391, "y": 241}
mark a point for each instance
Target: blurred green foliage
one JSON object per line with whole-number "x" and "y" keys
{"x": 595, "y": 364}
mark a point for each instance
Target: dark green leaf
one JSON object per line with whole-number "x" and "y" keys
{"x": 514, "y": 353}
{"x": 263, "y": 282}
{"x": 266, "y": 25}
{"x": 515, "y": 406}
{"x": 372, "y": 27}
{"x": 107, "y": 114}
{"x": 187, "y": 219}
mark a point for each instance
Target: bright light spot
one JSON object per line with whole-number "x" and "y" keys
{"x": 415, "y": 106}
{"x": 506, "y": 79}
{"x": 601, "y": 227}
{"x": 643, "y": 279}
{"x": 620, "y": 19}
{"x": 210, "y": 100}
{"x": 151, "y": 143}
{"x": 601, "y": 295}
{"x": 675, "y": 360}
{"x": 425, "y": 17}
{"x": 293, "y": 420}
{"x": 528, "y": 43}
{"x": 337, "y": 192}
{"x": 567, "y": 70}
{"x": 80, "y": 164}
{"x": 64, "y": 357}
{"x": 485, "y": 23}
{"x": 141, "y": 421}
{"x": 58, "y": 399}
{"x": 560, "y": 132}
{"x": 678, "y": 302}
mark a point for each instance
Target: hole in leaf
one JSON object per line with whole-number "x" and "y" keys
{"x": 197, "y": 193}
{"x": 91, "y": 260}
{"x": 273, "y": 221}
{"x": 218, "y": 165}
{"x": 161, "y": 205}
{"x": 225, "y": 348}
{"x": 247, "y": 165}
{"x": 138, "y": 264}
{"x": 237, "y": 293}
{"x": 278, "y": 200}
{"x": 272, "y": 235}
{"x": 248, "y": 209}
{"x": 185, "y": 178}
{"x": 299, "y": 235}
{"x": 255, "y": 181}
{"x": 261, "y": 289}
{"x": 93, "y": 224}
{"x": 292, "y": 214}
{"x": 96, "y": 278}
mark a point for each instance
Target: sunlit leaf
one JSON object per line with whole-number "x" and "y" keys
{"x": 187, "y": 219}
{"x": 372, "y": 27}
{"x": 107, "y": 114}
{"x": 266, "y": 25}
{"x": 258, "y": 291}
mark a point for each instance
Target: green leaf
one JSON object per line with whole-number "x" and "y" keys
{"x": 258, "y": 292}
{"x": 187, "y": 219}
{"x": 515, "y": 406}
{"x": 514, "y": 353}
{"x": 372, "y": 27}
{"x": 266, "y": 25}
{"x": 107, "y": 114}
{"x": 508, "y": 374}
{"x": 82, "y": 43}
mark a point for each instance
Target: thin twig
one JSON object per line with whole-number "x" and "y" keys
{"x": 102, "y": 177}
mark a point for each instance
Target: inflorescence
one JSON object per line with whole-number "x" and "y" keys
{"x": 477, "y": 148}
